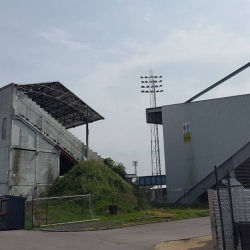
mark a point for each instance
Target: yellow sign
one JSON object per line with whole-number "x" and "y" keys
{"x": 187, "y": 137}
{"x": 186, "y": 132}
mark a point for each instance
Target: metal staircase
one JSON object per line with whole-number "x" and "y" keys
{"x": 238, "y": 162}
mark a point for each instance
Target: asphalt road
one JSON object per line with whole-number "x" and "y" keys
{"x": 130, "y": 238}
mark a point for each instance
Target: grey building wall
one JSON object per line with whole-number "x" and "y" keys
{"x": 5, "y": 140}
{"x": 219, "y": 128}
{"x": 35, "y": 162}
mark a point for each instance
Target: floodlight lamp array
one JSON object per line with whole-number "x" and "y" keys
{"x": 152, "y": 84}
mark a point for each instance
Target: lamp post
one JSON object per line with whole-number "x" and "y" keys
{"x": 152, "y": 85}
{"x": 135, "y": 164}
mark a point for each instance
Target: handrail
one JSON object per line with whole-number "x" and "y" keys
{"x": 213, "y": 172}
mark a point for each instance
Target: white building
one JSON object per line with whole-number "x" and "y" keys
{"x": 200, "y": 135}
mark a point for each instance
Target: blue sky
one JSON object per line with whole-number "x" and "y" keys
{"x": 99, "y": 49}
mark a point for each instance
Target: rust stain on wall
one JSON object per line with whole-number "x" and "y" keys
{"x": 16, "y": 166}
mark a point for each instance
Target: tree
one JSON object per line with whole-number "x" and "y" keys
{"x": 116, "y": 167}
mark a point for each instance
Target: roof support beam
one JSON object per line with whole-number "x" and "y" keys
{"x": 60, "y": 102}
{"x": 219, "y": 82}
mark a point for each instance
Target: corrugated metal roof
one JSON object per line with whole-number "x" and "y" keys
{"x": 60, "y": 103}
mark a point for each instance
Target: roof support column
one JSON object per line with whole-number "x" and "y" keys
{"x": 87, "y": 134}
{"x": 87, "y": 139}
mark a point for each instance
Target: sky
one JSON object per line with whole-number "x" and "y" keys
{"x": 99, "y": 49}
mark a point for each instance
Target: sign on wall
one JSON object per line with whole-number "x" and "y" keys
{"x": 186, "y": 132}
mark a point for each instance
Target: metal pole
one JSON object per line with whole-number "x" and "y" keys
{"x": 47, "y": 206}
{"x": 135, "y": 164}
{"x": 232, "y": 210}
{"x": 219, "y": 82}
{"x": 32, "y": 213}
{"x": 90, "y": 211}
{"x": 138, "y": 200}
{"x": 185, "y": 198}
{"x": 87, "y": 133}
{"x": 87, "y": 139}
{"x": 219, "y": 202}
{"x": 82, "y": 209}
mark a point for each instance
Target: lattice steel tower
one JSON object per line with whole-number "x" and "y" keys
{"x": 152, "y": 86}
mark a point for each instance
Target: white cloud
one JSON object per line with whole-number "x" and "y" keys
{"x": 54, "y": 34}
{"x": 99, "y": 52}
{"x": 64, "y": 37}
{"x": 148, "y": 16}
{"x": 117, "y": 85}
{"x": 205, "y": 44}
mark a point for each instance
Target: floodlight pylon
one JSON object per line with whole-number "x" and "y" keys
{"x": 155, "y": 147}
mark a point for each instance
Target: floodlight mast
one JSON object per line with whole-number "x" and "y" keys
{"x": 153, "y": 89}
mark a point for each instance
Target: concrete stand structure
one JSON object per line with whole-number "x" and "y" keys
{"x": 35, "y": 145}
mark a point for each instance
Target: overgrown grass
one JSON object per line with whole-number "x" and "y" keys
{"x": 178, "y": 212}
{"x": 77, "y": 211}
{"x": 89, "y": 177}
{"x": 93, "y": 177}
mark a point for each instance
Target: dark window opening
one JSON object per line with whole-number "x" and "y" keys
{"x": 4, "y": 125}
{"x": 65, "y": 164}
{"x": 3, "y": 206}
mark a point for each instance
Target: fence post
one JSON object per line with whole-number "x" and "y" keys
{"x": 138, "y": 200}
{"x": 82, "y": 209}
{"x": 90, "y": 211}
{"x": 185, "y": 198}
{"x": 32, "y": 213}
{"x": 47, "y": 206}
{"x": 232, "y": 210}
{"x": 219, "y": 202}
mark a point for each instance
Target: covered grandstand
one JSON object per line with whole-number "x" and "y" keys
{"x": 36, "y": 146}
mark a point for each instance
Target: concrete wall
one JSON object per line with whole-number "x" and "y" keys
{"x": 5, "y": 112}
{"x": 219, "y": 128}
{"x": 35, "y": 162}
{"x": 29, "y": 161}
{"x": 25, "y": 107}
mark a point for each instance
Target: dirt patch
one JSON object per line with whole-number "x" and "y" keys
{"x": 203, "y": 243}
{"x": 77, "y": 227}
{"x": 104, "y": 224}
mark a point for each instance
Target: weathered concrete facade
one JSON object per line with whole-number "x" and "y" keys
{"x": 34, "y": 147}
{"x": 6, "y": 114}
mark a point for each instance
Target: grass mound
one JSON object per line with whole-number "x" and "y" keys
{"x": 106, "y": 187}
{"x": 89, "y": 177}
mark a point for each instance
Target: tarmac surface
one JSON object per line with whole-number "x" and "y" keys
{"x": 129, "y": 238}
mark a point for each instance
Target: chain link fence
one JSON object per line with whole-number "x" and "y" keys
{"x": 233, "y": 220}
{"x": 54, "y": 210}
{"x": 231, "y": 211}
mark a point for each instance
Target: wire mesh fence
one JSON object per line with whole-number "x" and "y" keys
{"x": 56, "y": 210}
{"x": 234, "y": 221}
{"x": 231, "y": 211}
{"x": 69, "y": 209}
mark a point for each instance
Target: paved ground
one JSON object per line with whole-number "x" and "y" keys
{"x": 130, "y": 238}
{"x": 201, "y": 243}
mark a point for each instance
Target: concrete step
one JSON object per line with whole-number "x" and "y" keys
{"x": 72, "y": 142}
